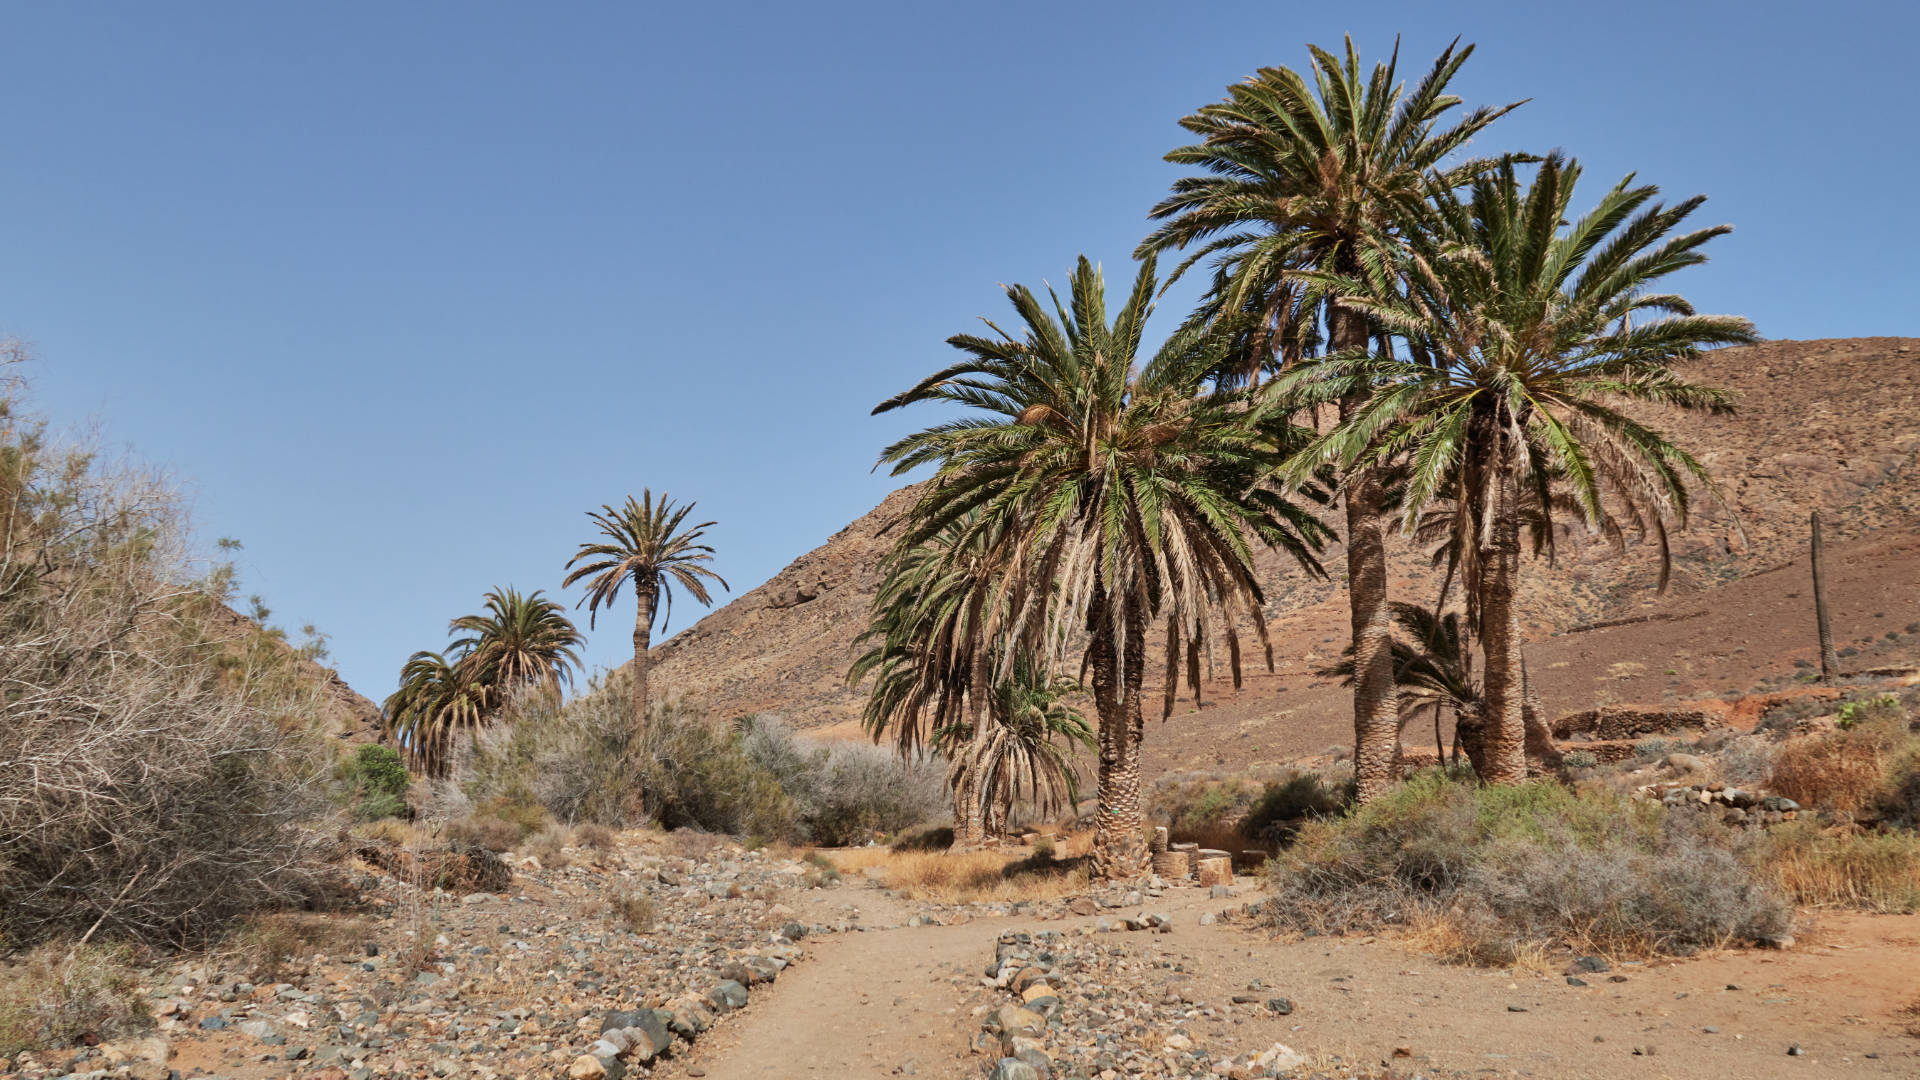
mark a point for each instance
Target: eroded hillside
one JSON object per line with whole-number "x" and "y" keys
{"x": 1827, "y": 424}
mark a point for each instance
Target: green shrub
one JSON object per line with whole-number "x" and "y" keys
{"x": 1879, "y": 708}
{"x": 1513, "y": 866}
{"x": 61, "y": 996}
{"x": 1237, "y": 812}
{"x": 375, "y": 782}
{"x": 1575, "y": 760}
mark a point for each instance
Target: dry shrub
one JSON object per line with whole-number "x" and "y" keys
{"x": 1511, "y": 868}
{"x": 156, "y": 767}
{"x": 266, "y": 947}
{"x": 549, "y": 846}
{"x": 633, "y": 910}
{"x": 597, "y": 837}
{"x": 844, "y": 792}
{"x": 1840, "y": 770}
{"x": 1877, "y": 872}
{"x": 693, "y": 844}
{"x": 456, "y": 868}
{"x": 61, "y": 995}
{"x": 489, "y": 833}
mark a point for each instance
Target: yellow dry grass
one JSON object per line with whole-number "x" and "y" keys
{"x": 1862, "y": 872}
{"x": 970, "y": 877}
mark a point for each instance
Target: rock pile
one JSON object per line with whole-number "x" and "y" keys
{"x": 1736, "y": 806}
{"x": 1083, "y": 1007}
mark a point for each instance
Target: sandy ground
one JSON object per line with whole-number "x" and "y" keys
{"x": 877, "y": 1003}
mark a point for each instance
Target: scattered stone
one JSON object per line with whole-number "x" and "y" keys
{"x": 1589, "y": 965}
{"x": 1795, "y": 1051}
{"x": 1280, "y": 1006}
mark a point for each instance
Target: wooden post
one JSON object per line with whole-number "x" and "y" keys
{"x": 1829, "y": 660}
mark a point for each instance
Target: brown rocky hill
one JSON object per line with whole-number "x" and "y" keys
{"x": 343, "y": 713}
{"x": 1830, "y": 424}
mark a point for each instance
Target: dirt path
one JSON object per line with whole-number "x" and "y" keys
{"x": 889, "y": 1002}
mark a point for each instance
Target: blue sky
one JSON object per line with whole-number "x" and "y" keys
{"x": 397, "y": 292}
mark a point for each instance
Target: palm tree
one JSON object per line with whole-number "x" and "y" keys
{"x": 1121, "y": 494}
{"x": 1526, "y": 334}
{"x": 930, "y": 640}
{"x": 1432, "y": 669}
{"x": 438, "y": 700}
{"x": 646, "y": 545}
{"x": 520, "y": 641}
{"x": 1325, "y": 177}
{"x": 1020, "y": 753}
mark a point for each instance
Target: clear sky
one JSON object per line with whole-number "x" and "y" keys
{"x": 398, "y": 291}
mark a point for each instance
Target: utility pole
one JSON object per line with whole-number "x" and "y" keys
{"x": 1829, "y": 660}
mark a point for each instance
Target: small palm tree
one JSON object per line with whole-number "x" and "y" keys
{"x": 1122, "y": 494}
{"x": 646, "y": 545}
{"x": 437, "y": 701}
{"x": 1527, "y": 326}
{"x": 1432, "y": 668}
{"x": 934, "y": 621}
{"x": 519, "y": 641}
{"x": 1324, "y": 176}
{"x": 1026, "y": 749}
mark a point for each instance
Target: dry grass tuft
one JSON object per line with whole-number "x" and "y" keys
{"x": 1877, "y": 872}
{"x": 633, "y": 910}
{"x": 62, "y": 995}
{"x": 971, "y": 877}
{"x": 268, "y": 946}
{"x": 1841, "y": 770}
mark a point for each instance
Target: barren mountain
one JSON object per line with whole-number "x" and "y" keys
{"x": 1827, "y": 424}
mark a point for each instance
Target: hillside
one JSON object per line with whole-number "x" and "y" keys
{"x": 1830, "y": 424}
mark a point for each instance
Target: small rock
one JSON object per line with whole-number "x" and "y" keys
{"x": 1280, "y": 1006}
{"x": 1795, "y": 1051}
{"x": 1012, "y": 1068}
{"x": 1083, "y": 905}
{"x": 1516, "y": 1008}
{"x": 1589, "y": 965}
{"x": 1575, "y": 980}
{"x": 587, "y": 1067}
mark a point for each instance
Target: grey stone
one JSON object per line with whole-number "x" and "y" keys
{"x": 727, "y": 996}
{"x": 1590, "y": 965}
{"x": 1012, "y": 1068}
{"x": 1280, "y": 1006}
{"x": 259, "y": 1029}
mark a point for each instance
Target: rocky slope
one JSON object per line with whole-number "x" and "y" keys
{"x": 1827, "y": 424}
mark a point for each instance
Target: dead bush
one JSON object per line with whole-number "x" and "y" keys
{"x": 1512, "y": 868}
{"x": 549, "y": 846}
{"x": 632, "y": 910}
{"x": 489, "y": 833}
{"x": 154, "y": 771}
{"x": 1877, "y": 872}
{"x": 1840, "y": 770}
{"x": 597, "y": 837}
{"x": 267, "y": 946}
{"x": 456, "y": 868}
{"x": 61, "y": 996}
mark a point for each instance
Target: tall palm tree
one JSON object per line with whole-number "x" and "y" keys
{"x": 1325, "y": 176}
{"x": 438, "y": 700}
{"x": 1528, "y": 328}
{"x": 1124, "y": 494}
{"x": 930, "y": 642}
{"x": 519, "y": 641}
{"x": 645, "y": 544}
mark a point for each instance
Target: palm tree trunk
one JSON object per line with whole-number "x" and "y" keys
{"x": 970, "y": 825}
{"x": 642, "y": 640}
{"x": 1119, "y": 844}
{"x": 1503, "y": 735}
{"x": 1543, "y": 756}
{"x": 1376, "y": 704}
